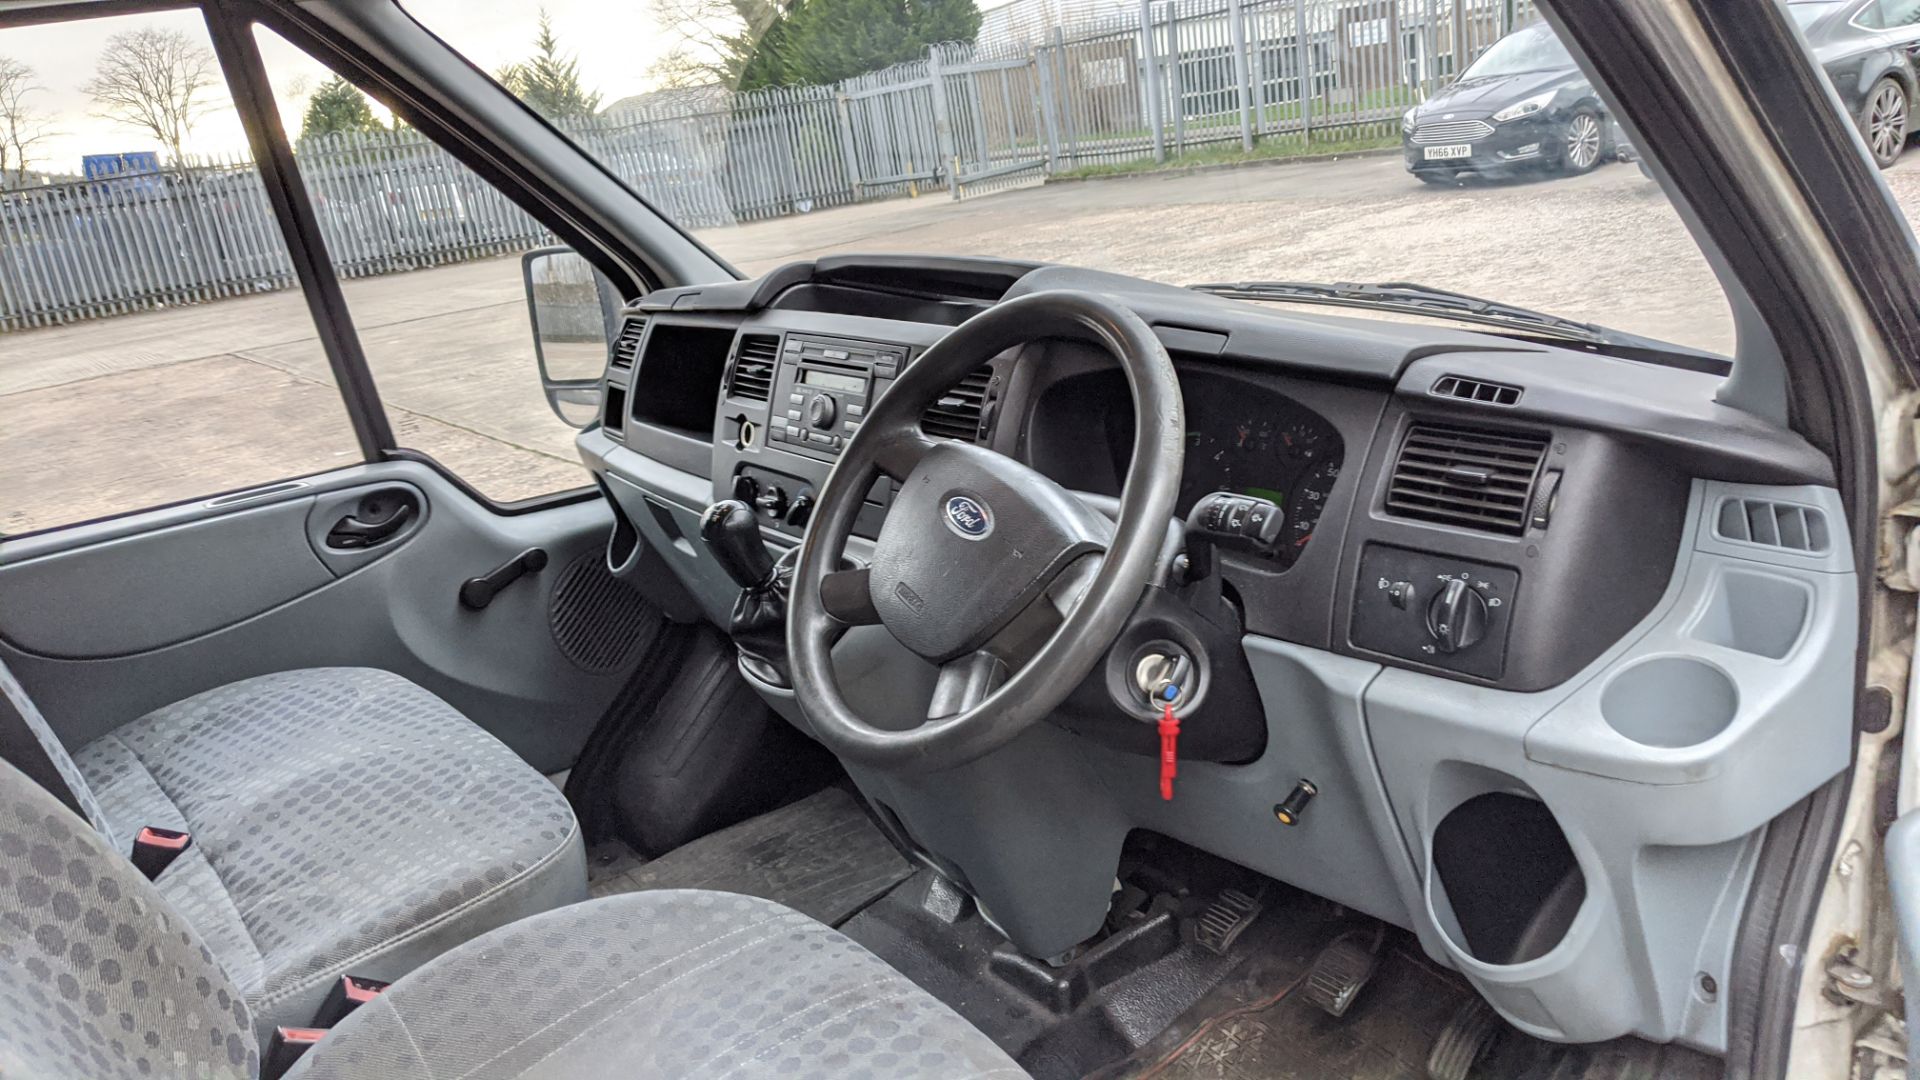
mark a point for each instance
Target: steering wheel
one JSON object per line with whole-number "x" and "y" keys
{"x": 983, "y": 565}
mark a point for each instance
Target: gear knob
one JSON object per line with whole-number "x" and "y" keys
{"x": 731, "y": 530}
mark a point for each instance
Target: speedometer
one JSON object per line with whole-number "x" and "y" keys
{"x": 1304, "y": 508}
{"x": 1242, "y": 438}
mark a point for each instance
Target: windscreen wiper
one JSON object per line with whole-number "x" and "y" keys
{"x": 1423, "y": 300}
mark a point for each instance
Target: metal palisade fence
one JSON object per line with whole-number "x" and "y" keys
{"x": 1106, "y": 84}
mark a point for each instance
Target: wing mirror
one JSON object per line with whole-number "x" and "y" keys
{"x": 573, "y": 309}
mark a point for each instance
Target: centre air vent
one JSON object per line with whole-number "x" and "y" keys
{"x": 1474, "y": 478}
{"x": 626, "y": 346}
{"x": 1466, "y": 389}
{"x": 753, "y": 365}
{"x": 957, "y": 414}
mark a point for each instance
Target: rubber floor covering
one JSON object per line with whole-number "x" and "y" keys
{"x": 821, "y": 856}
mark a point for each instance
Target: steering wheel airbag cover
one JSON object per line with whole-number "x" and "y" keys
{"x": 1005, "y": 533}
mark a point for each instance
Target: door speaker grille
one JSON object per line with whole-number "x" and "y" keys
{"x": 600, "y": 622}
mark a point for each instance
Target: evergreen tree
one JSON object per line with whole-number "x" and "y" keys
{"x": 824, "y": 41}
{"x": 338, "y": 106}
{"x": 550, "y": 81}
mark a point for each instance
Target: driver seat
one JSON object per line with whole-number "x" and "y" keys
{"x": 101, "y": 977}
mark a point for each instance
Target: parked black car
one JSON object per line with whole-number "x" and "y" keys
{"x": 1522, "y": 104}
{"x": 1868, "y": 48}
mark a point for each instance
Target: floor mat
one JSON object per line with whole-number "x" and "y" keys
{"x": 1257, "y": 1026}
{"x": 821, "y": 856}
{"x": 1240, "y": 1036}
{"x": 1147, "y": 1001}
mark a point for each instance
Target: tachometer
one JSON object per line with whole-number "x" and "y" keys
{"x": 1300, "y": 442}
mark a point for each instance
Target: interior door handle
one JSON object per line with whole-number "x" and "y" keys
{"x": 351, "y": 532}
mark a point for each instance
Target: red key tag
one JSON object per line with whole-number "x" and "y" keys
{"x": 1169, "y": 751}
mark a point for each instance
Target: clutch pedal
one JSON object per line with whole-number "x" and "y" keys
{"x": 1225, "y": 920}
{"x": 1341, "y": 969}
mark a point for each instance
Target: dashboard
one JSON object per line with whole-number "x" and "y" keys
{"x": 1469, "y": 521}
{"x": 1401, "y": 457}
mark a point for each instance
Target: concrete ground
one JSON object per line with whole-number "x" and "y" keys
{"x": 114, "y": 414}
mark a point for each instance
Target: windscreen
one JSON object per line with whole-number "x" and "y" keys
{"x": 1532, "y": 49}
{"x": 1453, "y": 144}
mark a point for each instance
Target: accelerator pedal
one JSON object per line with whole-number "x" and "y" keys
{"x": 1341, "y": 970}
{"x": 1225, "y": 920}
{"x": 1467, "y": 1037}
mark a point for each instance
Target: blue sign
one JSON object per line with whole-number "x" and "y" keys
{"x": 102, "y": 166}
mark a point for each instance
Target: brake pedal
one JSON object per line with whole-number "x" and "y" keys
{"x": 1341, "y": 969}
{"x": 1225, "y": 920}
{"x": 1467, "y": 1037}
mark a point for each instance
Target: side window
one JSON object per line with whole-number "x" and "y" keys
{"x": 1871, "y": 17}
{"x": 1898, "y": 14}
{"x": 154, "y": 343}
{"x": 435, "y": 264}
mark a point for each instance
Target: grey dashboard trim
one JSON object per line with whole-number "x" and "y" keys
{"x": 1665, "y": 837}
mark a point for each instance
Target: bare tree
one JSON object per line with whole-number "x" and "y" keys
{"x": 717, "y": 38}
{"x": 21, "y": 125}
{"x": 154, "y": 80}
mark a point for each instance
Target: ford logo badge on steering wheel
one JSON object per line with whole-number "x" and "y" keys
{"x": 968, "y": 517}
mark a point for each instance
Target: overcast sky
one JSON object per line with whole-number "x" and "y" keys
{"x": 615, "y": 43}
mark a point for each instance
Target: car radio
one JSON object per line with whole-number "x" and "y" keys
{"x": 824, "y": 388}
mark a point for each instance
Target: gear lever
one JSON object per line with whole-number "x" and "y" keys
{"x": 731, "y": 530}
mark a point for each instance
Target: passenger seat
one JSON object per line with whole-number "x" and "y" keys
{"x": 343, "y": 821}
{"x": 110, "y": 984}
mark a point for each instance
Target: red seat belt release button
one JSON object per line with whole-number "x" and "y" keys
{"x": 154, "y": 849}
{"x": 287, "y": 1046}
{"x": 1169, "y": 751}
{"x": 349, "y": 993}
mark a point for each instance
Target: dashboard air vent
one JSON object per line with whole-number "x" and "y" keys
{"x": 1773, "y": 524}
{"x": 753, "y": 365}
{"x": 626, "y": 346}
{"x": 957, "y": 414}
{"x": 1486, "y": 393}
{"x": 1471, "y": 477}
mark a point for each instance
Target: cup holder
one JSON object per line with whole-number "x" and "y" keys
{"x": 1670, "y": 702}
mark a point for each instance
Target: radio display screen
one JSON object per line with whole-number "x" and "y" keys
{"x": 833, "y": 380}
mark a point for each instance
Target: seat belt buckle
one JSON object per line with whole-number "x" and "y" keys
{"x": 286, "y": 1047}
{"x": 154, "y": 849}
{"x": 349, "y": 993}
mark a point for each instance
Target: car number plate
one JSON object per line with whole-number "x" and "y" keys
{"x": 1447, "y": 153}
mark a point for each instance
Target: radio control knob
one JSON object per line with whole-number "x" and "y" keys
{"x": 822, "y": 411}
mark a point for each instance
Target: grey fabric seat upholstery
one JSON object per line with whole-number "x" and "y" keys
{"x": 344, "y": 820}
{"x": 99, "y": 977}
{"x": 684, "y": 983}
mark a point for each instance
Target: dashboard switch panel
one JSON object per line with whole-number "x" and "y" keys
{"x": 1434, "y": 609}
